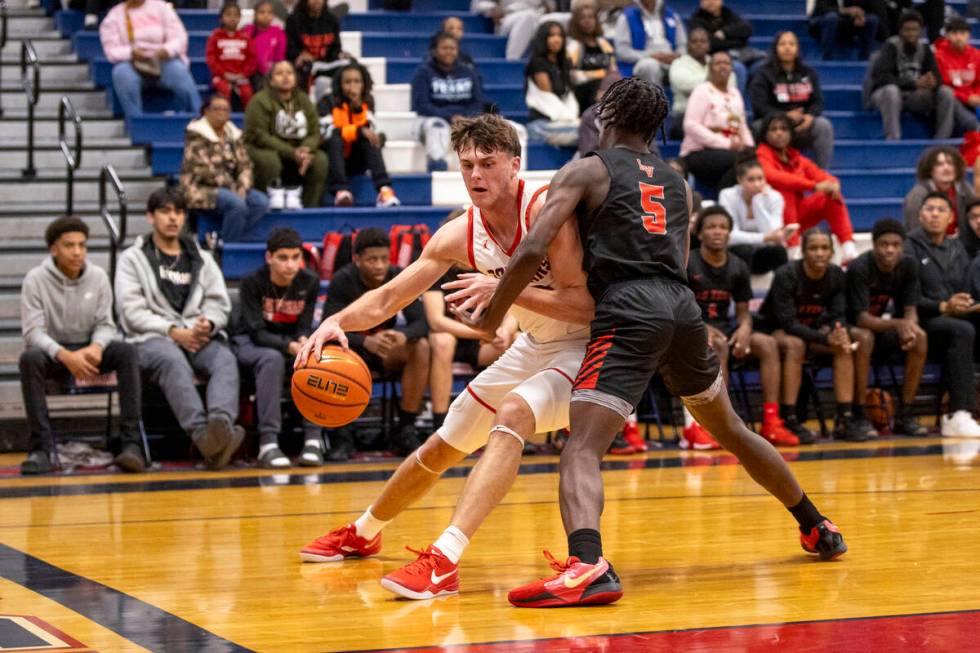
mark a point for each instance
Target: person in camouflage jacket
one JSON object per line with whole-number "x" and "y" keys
{"x": 216, "y": 173}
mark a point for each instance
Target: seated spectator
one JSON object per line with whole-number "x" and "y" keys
{"x": 277, "y": 303}
{"x": 942, "y": 169}
{"x": 591, "y": 55}
{"x": 890, "y": 12}
{"x": 230, "y": 57}
{"x": 282, "y": 137}
{"x": 515, "y": 19}
{"x": 268, "y": 42}
{"x": 312, "y": 36}
{"x": 811, "y": 194}
{"x": 649, "y": 36}
{"x": 842, "y": 22}
{"x": 147, "y": 44}
{"x": 905, "y": 77}
{"x": 398, "y": 345}
{"x": 758, "y": 235}
{"x": 882, "y": 295}
{"x": 351, "y": 138}
{"x": 685, "y": 74}
{"x": 945, "y": 308}
{"x": 805, "y": 311}
{"x": 173, "y": 305}
{"x": 718, "y": 281}
{"x": 554, "y": 111}
{"x": 66, "y": 320}
{"x": 730, "y": 33}
{"x": 786, "y": 85}
{"x": 443, "y": 89}
{"x": 92, "y": 9}
{"x": 453, "y": 26}
{"x": 715, "y": 126}
{"x": 958, "y": 64}
{"x": 216, "y": 173}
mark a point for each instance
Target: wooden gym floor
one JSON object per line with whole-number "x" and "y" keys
{"x": 196, "y": 561}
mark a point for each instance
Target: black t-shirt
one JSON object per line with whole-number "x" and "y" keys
{"x": 869, "y": 289}
{"x": 594, "y": 57}
{"x": 559, "y": 82}
{"x": 800, "y": 305}
{"x": 715, "y": 288}
{"x": 174, "y": 273}
{"x": 640, "y": 230}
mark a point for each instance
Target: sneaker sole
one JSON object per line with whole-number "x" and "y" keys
{"x": 131, "y": 464}
{"x": 404, "y": 592}
{"x": 684, "y": 444}
{"x": 222, "y": 459}
{"x": 303, "y": 462}
{"x": 599, "y": 598}
{"x": 828, "y": 558}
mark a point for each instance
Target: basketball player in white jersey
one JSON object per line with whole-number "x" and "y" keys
{"x": 526, "y": 391}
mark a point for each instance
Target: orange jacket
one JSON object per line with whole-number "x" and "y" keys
{"x": 349, "y": 123}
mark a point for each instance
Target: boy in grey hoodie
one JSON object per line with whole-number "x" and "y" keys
{"x": 173, "y": 305}
{"x": 66, "y": 319}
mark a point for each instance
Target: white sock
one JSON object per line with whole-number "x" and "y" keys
{"x": 849, "y": 251}
{"x": 452, "y": 543}
{"x": 688, "y": 417}
{"x": 368, "y": 526}
{"x": 266, "y": 447}
{"x": 312, "y": 443}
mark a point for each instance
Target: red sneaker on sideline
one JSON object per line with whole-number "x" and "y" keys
{"x": 697, "y": 437}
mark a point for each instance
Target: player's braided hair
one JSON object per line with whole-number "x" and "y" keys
{"x": 634, "y": 106}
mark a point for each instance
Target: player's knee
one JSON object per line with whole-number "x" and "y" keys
{"x": 793, "y": 347}
{"x": 514, "y": 414}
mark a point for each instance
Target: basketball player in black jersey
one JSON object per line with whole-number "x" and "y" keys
{"x": 633, "y": 213}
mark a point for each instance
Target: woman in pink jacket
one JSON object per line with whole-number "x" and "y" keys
{"x": 147, "y": 44}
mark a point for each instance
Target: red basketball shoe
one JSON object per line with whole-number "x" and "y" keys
{"x": 432, "y": 574}
{"x": 697, "y": 437}
{"x": 776, "y": 432}
{"x": 631, "y": 433}
{"x": 824, "y": 540}
{"x": 577, "y": 583}
{"x": 340, "y": 543}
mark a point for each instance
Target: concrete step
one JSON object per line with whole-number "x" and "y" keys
{"x": 53, "y": 71}
{"x": 62, "y": 87}
{"x": 93, "y": 158}
{"x": 14, "y": 132}
{"x": 12, "y": 408}
{"x": 10, "y": 307}
{"x": 43, "y": 46}
{"x": 17, "y": 227}
{"x": 19, "y": 262}
{"x": 11, "y": 348}
{"x": 138, "y": 187}
{"x": 55, "y": 206}
{"x": 21, "y": 25}
{"x": 83, "y": 100}
{"x": 18, "y": 114}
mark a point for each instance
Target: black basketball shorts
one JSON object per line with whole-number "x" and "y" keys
{"x": 642, "y": 327}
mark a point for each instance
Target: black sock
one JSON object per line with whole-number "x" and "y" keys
{"x": 844, "y": 410}
{"x": 806, "y": 514}
{"x": 787, "y": 411}
{"x": 437, "y": 420}
{"x": 406, "y": 418}
{"x": 586, "y": 545}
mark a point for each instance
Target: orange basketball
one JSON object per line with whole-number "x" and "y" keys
{"x": 334, "y": 391}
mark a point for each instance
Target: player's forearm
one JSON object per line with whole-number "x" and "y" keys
{"x": 368, "y": 311}
{"x": 519, "y": 274}
{"x": 573, "y": 305}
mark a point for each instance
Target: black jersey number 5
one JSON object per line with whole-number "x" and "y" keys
{"x": 655, "y": 220}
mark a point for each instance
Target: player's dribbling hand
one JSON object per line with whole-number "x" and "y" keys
{"x": 313, "y": 347}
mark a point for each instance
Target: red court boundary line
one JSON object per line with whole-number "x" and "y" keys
{"x": 906, "y": 633}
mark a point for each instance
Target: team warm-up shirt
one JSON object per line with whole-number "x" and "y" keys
{"x": 800, "y": 305}
{"x": 715, "y": 288}
{"x": 273, "y": 316}
{"x": 869, "y": 289}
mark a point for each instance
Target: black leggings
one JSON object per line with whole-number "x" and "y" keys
{"x": 363, "y": 156}
{"x": 710, "y": 166}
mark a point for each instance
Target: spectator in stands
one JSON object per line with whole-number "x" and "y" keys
{"x": 268, "y": 42}
{"x": 515, "y": 19}
{"x": 729, "y": 32}
{"x": 312, "y": 36}
{"x": 758, "y": 235}
{"x": 443, "y": 89}
{"x": 811, "y": 194}
{"x": 396, "y": 346}
{"x": 805, "y": 311}
{"x": 715, "y": 126}
{"x": 905, "y": 77}
{"x": 351, "y": 137}
{"x": 92, "y": 9}
{"x": 282, "y": 136}
{"x": 591, "y": 55}
{"x": 230, "y": 56}
{"x": 649, "y": 36}
{"x": 890, "y": 12}
{"x": 719, "y": 281}
{"x": 66, "y": 320}
{"x": 554, "y": 111}
{"x": 842, "y": 22}
{"x": 944, "y": 309}
{"x": 216, "y": 173}
{"x": 173, "y": 305}
{"x": 687, "y": 71}
{"x": 959, "y": 64}
{"x": 942, "y": 169}
{"x": 785, "y": 84}
{"x": 453, "y": 26}
{"x": 277, "y": 303}
{"x": 882, "y": 295}
{"x": 146, "y": 42}
{"x": 588, "y": 130}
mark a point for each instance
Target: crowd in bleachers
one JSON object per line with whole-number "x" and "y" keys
{"x": 743, "y": 116}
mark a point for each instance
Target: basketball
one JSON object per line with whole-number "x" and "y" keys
{"x": 334, "y": 391}
{"x": 880, "y": 408}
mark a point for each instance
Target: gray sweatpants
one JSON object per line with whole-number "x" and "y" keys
{"x": 939, "y": 103}
{"x": 173, "y": 369}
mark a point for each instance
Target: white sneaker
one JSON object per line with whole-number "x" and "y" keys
{"x": 960, "y": 425}
{"x": 294, "y": 198}
{"x": 277, "y": 198}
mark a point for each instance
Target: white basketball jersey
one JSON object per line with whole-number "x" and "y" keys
{"x": 489, "y": 257}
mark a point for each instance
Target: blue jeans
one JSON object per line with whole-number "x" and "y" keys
{"x": 238, "y": 215}
{"x": 175, "y": 76}
{"x": 831, "y": 23}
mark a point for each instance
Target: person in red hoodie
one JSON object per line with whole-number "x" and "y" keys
{"x": 959, "y": 64}
{"x": 812, "y": 195}
{"x": 230, "y": 56}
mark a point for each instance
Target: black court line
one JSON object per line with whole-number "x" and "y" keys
{"x": 361, "y": 476}
{"x": 147, "y": 625}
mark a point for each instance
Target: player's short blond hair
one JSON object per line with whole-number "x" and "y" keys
{"x": 487, "y": 132}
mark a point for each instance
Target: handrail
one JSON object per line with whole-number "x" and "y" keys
{"x": 72, "y": 159}
{"x": 3, "y": 44}
{"x": 32, "y": 88}
{"x": 117, "y": 230}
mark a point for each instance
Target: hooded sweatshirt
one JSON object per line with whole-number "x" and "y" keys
{"x": 773, "y": 89}
{"x": 269, "y": 46}
{"x": 442, "y": 94}
{"x": 144, "y": 310}
{"x": 737, "y": 31}
{"x": 943, "y": 270}
{"x": 155, "y": 25}
{"x": 57, "y": 311}
{"x": 319, "y": 36}
{"x": 229, "y": 53}
{"x": 271, "y": 124}
{"x": 959, "y": 69}
{"x": 211, "y": 163}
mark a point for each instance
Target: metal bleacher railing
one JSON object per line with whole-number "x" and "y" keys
{"x": 3, "y": 43}
{"x": 116, "y": 228}
{"x": 32, "y": 88}
{"x": 73, "y": 159}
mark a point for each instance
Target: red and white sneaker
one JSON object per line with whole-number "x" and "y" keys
{"x": 432, "y": 574}
{"x": 696, "y": 437}
{"x": 631, "y": 433}
{"x": 824, "y": 540}
{"x": 577, "y": 583}
{"x": 340, "y": 543}
{"x": 776, "y": 432}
